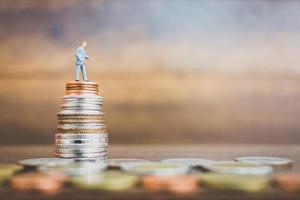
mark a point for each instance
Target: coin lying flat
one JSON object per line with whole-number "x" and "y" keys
{"x": 118, "y": 162}
{"x": 232, "y": 167}
{"x": 35, "y": 162}
{"x": 179, "y": 184}
{"x": 108, "y": 180}
{"x": 156, "y": 168}
{"x": 288, "y": 181}
{"x": 247, "y": 183}
{"x": 38, "y": 182}
{"x": 193, "y": 162}
{"x": 76, "y": 168}
{"x": 7, "y": 170}
{"x": 275, "y": 162}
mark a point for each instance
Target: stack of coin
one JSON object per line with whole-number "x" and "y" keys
{"x": 81, "y": 129}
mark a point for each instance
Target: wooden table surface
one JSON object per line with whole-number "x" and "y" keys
{"x": 11, "y": 154}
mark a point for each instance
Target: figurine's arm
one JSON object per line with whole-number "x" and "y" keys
{"x": 85, "y": 54}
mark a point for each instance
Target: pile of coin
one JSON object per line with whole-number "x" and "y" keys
{"x": 81, "y": 129}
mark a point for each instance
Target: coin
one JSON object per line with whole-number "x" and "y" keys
{"x": 80, "y": 121}
{"x": 108, "y": 180}
{"x": 38, "y": 182}
{"x": 35, "y": 162}
{"x": 156, "y": 168}
{"x": 82, "y": 83}
{"x": 80, "y": 155}
{"x": 275, "y": 162}
{"x": 80, "y": 150}
{"x": 80, "y": 114}
{"x": 189, "y": 161}
{"x": 118, "y": 162}
{"x": 7, "y": 170}
{"x": 77, "y": 168}
{"x": 182, "y": 184}
{"x": 288, "y": 181}
{"x": 247, "y": 183}
{"x": 81, "y": 131}
{"x": 81, "y": 97}
{"x": 76, "y": 136}
{"x": 232, "y": 167}
{"x": 102, "y": 141}
{"x": 82, "y": 92}
{"x": 79, "y": 146}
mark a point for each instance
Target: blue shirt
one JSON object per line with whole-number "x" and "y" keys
{"x": 81, "y": 56}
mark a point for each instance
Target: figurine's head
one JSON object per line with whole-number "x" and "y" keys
{"x": 84, "y": 44}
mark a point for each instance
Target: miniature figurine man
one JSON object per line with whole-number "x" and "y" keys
{"x": 81, "y": 57}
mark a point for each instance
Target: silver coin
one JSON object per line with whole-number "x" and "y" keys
{"x": 193, "y": 162}
{"x": 83, "y": 97}
{"x": 35, "y": 162}
{"x": 80, "y": 151}
{"x": 156, "y": 168}
{"x": 83, "y": 104}
{"x": 80, "y": 121}
{"x": 64, "y": 106}
{"x": 270, "y": 161}
{"x": 80, "y": 146}
{"x": 81, "y": 136}
{"x": 84, "y": 101}
{"x": 79, "y": 113}
{"x": 102, "y": 159}
{"x": 232, "y": 167}
{"x": 80, "y": 155}
{"x": 95, "y": 98}
{"x": 81, "y": 141}
{"x": 80, "y": 109}
{"x": 84, "y": 167}
{"x": 118, "y": 162}
{"x": 80, "y": 126}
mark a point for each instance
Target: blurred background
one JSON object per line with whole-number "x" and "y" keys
{"x": 170, "y": 72}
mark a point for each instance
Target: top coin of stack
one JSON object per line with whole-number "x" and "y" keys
{"x": 81, "y": 129}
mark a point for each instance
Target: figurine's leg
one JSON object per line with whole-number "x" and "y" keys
{"x": 77, "y": 72}
{"x": 84, "y": 72}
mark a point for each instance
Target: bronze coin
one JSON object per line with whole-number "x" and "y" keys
{"x": 288, "y": 181}
{"x": 47, "y": 184}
